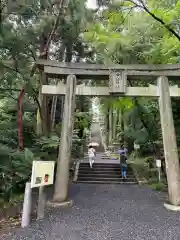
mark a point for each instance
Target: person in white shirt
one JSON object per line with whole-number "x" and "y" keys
{"x": 91, "y": 154}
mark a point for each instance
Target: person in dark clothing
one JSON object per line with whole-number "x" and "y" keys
{"x": 123, "y": 163}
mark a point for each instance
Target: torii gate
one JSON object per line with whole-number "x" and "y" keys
{"x": 117, "y": 75}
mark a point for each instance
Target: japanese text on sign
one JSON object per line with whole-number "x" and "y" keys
{"x": 42, "y": 173}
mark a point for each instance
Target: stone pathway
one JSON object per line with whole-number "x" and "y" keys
{"x": 102, "y": 212}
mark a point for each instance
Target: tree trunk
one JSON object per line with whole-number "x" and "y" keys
{"x": 110, "y": 127}
{"x": 61, "y": 58}
{"x": 20, "y": 123}
{"x": 121, "y": 125}
{"x": 39, "y": 128}
{"x": 53, "y": 112}
{"x": 62, "y": 174}
{"x": 169, "y": 142}
{"x": 114, "y": 124}
{"x": 43, "y": 122}
{"x": 45, "y": 108}
{"x": 106, "y": 127}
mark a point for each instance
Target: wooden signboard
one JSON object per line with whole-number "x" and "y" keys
{"x": 158, "y": 163}
{"x": 136, "y": 146}
{"x": 42, "y": 173}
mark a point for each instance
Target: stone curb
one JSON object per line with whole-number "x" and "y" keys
{"x": 140, "y": 181}
{"x": 76, "y": 172}
{"x": 172, "y": 207}
{"x": 68, "y": 203}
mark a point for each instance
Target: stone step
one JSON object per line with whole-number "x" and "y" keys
{"x": 103, "y": 165}
{"x": 103, "y": 172}
{"x": 107, "y": 178}
{"x": 95, "y": 175}
{"x": 114, "y": 166}
{"x": 102, "y": 157}
{"x": 98, "y": 155}
{"x": 100, "y": 169}
{"x": 107, "y": 182}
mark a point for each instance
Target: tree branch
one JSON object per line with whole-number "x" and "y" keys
{"x": 38, "y": 103}
{"x": 13, "y": 69}
{"x": 53, "y": 29}
{"x": 124, "y": 19}
{"x": 11, "y": 96}
{"x": 46, "y": 48}
{"x": 143, "y": 6}
{"x": 10, "y": 89}
{"x": 32, "y": 53}
{"x": 34, "y": 92}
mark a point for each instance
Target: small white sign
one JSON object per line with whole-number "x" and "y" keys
{"x": 136, "y": 146}
{"x": 158, "y": 163}
{"x": 42, "y": 173}
{"x": 108, "y": 153}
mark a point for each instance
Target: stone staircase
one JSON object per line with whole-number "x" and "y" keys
{"x": 105, "y": 171}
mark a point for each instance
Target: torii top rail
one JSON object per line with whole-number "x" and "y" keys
{"x": 116, "y": 74}
{"x": 102, "y": 72}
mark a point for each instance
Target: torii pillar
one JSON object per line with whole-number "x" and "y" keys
{"x": 169, "y": 141}
{"x": 62, "y": 174}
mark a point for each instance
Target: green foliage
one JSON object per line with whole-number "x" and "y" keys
{"x": 15, "y": 170}
{"x": 158, "y": 186}
{"x": 49, "y": 142}
{"x": 124, "y": 35}
{"x": 15, "y": 166}
{"x": 47, "y": 147}
{"x": 81, "y": 122}
{"x": 25, "y": 29}
{"x": 146, "y": 174}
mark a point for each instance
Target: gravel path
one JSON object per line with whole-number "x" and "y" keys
{"x": 110, "y": 212}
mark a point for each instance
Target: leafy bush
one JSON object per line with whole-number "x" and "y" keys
{"x": 77, "y": 146}
{"x": 15, "y": 165}
{"x": 15, "y": 170}
{"x": 47, "y": 147}
{"x": 158, "y": 186}
{"x": 150, "y": 161}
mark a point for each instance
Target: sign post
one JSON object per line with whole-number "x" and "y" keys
{"x": 158, "y": 165}
{"x": 42, "y": 175}
{"x": 136, "y": 146}
{"x": 41, "y": 203}
{"x": 27, "y": 206}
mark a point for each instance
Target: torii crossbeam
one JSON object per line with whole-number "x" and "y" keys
{"x": 151, "y": 91}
